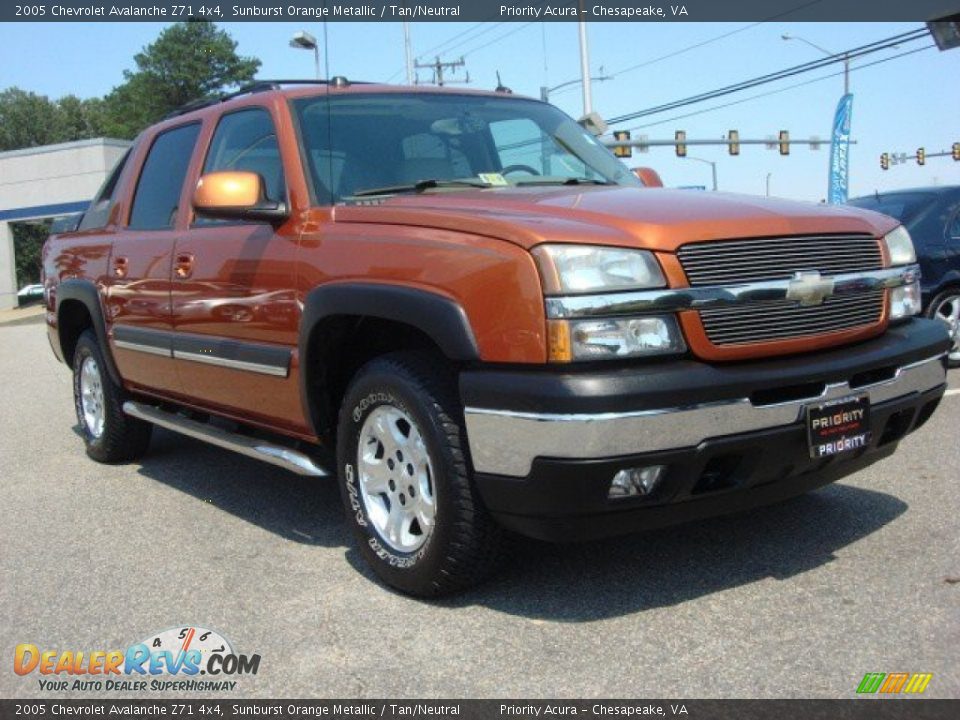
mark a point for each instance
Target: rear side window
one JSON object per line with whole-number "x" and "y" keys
{"x": 247, "y": 140}
{"x": 158, "y": 192}
{"x": 98, "y": 213}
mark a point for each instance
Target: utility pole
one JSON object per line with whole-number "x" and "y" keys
{"x": 438, "y": 67}
{"x": 585, "y": 67}
{"x": 408, "y": 52}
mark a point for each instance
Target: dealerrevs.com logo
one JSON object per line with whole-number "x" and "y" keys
{"x": 174, "y": 659}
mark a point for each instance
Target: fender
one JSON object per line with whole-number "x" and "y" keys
{"x": 440, "y": 318}
{"x": 85, "y": 291}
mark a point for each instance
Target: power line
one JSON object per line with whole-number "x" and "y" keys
{"x": 450, "y": 40}
{"x": 778, "y": 91}
{"x": 778, "y": 75}
{"x": 496, "y": 39}
{"x": 709, "y": 41}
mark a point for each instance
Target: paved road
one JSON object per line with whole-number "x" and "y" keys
{"x": 800, "y": 599}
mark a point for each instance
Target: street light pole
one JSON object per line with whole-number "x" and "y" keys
{"x": 713, "y": 168}
{"x": 768, "y": 184}
{"x": 303, "y": 40}
{"x": 545, "y": 91}
{"x": 846, "y": 58}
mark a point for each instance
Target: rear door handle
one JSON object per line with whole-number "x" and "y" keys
{"x": 120, "y": 267}
{"x": 183, "y": 265}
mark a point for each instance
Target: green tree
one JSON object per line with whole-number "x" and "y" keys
{"x": 26, "y": 119}
{"x": 188, "y": 61}
{"x": 28, "y": 239}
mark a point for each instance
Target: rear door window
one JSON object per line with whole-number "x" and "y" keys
{"x": 98, "y": 213}
{"x": 161, "y": 180}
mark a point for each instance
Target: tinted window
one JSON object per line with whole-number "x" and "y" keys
{"x": 98, "y": 213}
{"x": 953, "y": 231}
{"x": 161, "y": 180}
{"x": 905, "y": 207}
{"x": 247, "y": 140}
{"x": 363, "y": 142}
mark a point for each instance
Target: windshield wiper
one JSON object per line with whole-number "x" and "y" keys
{"x": 565, "y": 181}
{"x": 418, "y": 187}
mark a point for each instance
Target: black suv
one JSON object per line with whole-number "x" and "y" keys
{"x": 932, "y": 216}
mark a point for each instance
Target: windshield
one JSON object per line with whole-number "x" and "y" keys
{"x": 364, "y": 144}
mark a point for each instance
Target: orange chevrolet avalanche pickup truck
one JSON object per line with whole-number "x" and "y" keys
{"x": 465, "y": 309}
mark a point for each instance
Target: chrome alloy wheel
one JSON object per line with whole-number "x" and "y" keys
{"x": 948, "y": 311}
{"x": 91, "y": 397}
{"x": 396, "y": 479}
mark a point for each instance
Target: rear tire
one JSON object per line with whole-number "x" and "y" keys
{"x": 109, "y": 435}
{"x": 405, "y": 479}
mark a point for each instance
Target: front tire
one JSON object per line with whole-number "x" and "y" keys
{"x": 945, "y": 307}
{"x": 405, "y": 480}
{"x": 110, "y": 436}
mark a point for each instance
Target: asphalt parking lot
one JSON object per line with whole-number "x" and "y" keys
{"x": 795, "y": 600}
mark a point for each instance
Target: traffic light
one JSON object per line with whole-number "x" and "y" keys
{"x": 784, "y": 142}
{"x": 885, "y": 161}
{"x": 921, "y": 156}
{"x": 956, "y": 151}
{"x": 733, "y": 142}
{"x": 680, "y": 138}
{"x": 622, "y": 151}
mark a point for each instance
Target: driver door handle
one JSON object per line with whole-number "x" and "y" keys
{"x": 183, "y": 266}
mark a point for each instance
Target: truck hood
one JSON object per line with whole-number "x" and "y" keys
{"x": 650, "y": 218}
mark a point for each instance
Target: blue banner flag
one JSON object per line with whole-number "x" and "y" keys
{"x": 840, "y": 152}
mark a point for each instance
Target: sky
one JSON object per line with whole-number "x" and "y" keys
{"x": 898, "y": 105}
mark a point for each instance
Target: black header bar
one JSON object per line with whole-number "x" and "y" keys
{"x": 875, "y": 708}
{"x": 641, "y": 11}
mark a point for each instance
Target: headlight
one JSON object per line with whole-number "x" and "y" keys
{"x": 905, "y": 301}
{"x": 568, "y": 269}
{"x": 900, "y": 247}
{"x": 610, "y": 338}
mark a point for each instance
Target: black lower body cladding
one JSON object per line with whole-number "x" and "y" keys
{"x": 546, "y": 445}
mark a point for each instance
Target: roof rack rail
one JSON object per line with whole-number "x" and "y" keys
{"x": 258, "y": 86}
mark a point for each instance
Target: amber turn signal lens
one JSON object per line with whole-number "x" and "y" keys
{"x": 558, "y": 341}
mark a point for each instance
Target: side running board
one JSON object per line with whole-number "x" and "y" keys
{"x": 259, "y": 449}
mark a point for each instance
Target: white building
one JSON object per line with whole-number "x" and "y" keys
{"x": 48, "y": 182}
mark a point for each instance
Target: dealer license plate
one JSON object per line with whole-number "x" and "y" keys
{"x": 838, "y": 426}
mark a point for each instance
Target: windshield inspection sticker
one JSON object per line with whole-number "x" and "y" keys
{"x": 493, "y": 178}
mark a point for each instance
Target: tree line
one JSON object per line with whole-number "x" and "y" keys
{"x": 188, "y": 61}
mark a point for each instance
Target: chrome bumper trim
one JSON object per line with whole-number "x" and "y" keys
{"x": 505, "y": 443}
{"x": 697, "y": 298}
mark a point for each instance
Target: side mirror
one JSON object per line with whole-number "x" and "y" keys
{"x": 236, "y": 195}
{"x": 648, "y": 176}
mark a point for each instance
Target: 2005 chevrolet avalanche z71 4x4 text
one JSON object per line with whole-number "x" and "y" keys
{"x": 465, "y": 309}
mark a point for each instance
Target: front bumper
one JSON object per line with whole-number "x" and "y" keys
{"x": 545, "y": 445}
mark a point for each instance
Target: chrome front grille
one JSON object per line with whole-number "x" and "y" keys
{"x": 733, "y": 262}
{"x": 784, "y": 319}
{"x": 729, "y": 262}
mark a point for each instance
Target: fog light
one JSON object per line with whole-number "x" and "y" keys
{"x": 905, "y": 301}
{"x": 636, "y": 482}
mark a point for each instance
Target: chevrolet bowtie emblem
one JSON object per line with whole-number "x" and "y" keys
{"x": 808, "y": 288}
